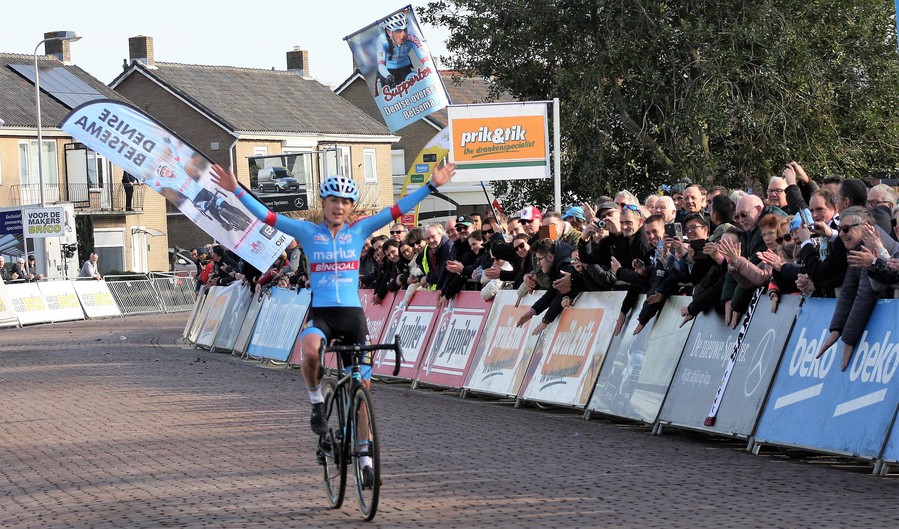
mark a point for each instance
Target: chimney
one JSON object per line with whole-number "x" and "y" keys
{"x": 58, "y": 48}
{"x": 140, "y": 49}
{"x": 298, "y": 61}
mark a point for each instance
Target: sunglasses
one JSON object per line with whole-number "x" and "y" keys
{"x": 398, "y": 232}
{"x": 525, "y": 221}
{"x": 845, "y": 229}
{"x": 487, "y": 232}
{"x": 786, "y": 238}
{"x": 630, "y": 207}
{"x": 538, "y": 258}
{"x": 518, "y": 247}
{"x": 743, "y": 215}
{"x": 775, "y": 191}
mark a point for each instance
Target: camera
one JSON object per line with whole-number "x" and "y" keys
{"x": 69, "y": 250}
{"x": 600, "y": 224}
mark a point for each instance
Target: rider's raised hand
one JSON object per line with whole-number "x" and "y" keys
{"x": 224, "y": 178}
{"x": 443, "y": 174}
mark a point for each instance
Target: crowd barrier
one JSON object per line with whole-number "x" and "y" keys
{"x": 72, "y": 300}
{"x": 760, "y": 382}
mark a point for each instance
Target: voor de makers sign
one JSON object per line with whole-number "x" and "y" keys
{"x": 44, "y": 222}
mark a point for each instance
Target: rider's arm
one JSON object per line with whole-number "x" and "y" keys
{"x": 403, "y": 205}
{"x": 293, "y": 227}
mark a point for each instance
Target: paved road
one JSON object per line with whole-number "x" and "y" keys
{"x": 116, "y": 423}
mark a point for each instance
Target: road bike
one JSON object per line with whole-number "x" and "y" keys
{"x": 352, "y": 429}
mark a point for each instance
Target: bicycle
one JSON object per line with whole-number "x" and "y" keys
{"x": 350, "y": 402}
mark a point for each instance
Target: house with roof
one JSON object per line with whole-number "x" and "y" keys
{"x": 81, "y": 180}
{"x": 281, "y": 130}
{"x": 460, "y": 198}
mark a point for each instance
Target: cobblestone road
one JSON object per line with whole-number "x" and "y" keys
{"x": 115, "y": 423}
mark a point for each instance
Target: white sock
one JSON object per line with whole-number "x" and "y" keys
{"x": 315, "y": 394}
{"x": 365, "y": 460}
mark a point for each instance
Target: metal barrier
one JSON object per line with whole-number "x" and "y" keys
{"x": 177, "y": 293}
{"x": 135, "y": 296}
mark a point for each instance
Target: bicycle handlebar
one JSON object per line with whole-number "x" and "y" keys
{"x": 396, "y": 347}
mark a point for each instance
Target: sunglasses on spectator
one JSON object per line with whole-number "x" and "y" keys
{"x": 845, "y": 229}
{"x": 487, "y": 232}
{"x": 875, "y": 203}
{"x": 397, "y": 232}
{"x": 630, "y": 207}
{"x": 743, "y": 215}
{"x": 786, "y": 237}
{"x": 518, "y": 247}
{"x": 525, "y": 221}
{"x": 775, "y": 191}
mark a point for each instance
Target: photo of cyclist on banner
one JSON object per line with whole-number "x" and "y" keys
{"x": 393, "y": 56}
{"x": 394, "y": 47}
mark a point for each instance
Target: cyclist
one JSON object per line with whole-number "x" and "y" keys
{"x": 332, "y": 249}
{"x": 394, "y": 46}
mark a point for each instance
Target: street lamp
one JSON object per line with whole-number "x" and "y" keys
{"x": 63, "y": 36}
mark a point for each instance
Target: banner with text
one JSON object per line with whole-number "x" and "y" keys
{"x": 499, "y": 141}
{"x": 44, "y": 222}
{"x": 7, "y": 316}
{"x": 28, "y": 303}
{"x": 169, "y": 165}
{"x": 703, "y": 363}
{"x": 814, "y": 405}
{"x": 571, "y": 350}
{"x": 504, "y": 350}
{"x": 61, "y": 300}
{"x": 394, "y": 59}
{"x": 414, "y": 324}
{"x": 633, "y": 380}
{"x": 450, "y": 351}
{"x": 278, "y": 324}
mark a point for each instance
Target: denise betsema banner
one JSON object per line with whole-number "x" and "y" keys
{"x": 163, "y": 161}
{"x": 393, "y": 57}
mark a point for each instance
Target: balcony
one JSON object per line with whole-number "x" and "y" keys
{"x": 104, "y": 200}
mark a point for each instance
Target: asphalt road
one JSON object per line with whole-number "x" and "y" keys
{"x": 118, "y": 423}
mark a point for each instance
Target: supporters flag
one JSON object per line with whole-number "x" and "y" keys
{"x": 393, "y": 57}
{"x": 163, "y": 161}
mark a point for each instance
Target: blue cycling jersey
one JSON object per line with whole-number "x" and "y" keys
{"x": 393, "y": 56}
{"x": 334, "y": 261}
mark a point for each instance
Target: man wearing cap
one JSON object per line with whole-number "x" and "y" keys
{"x": 528, "y": 220}
{"x": 460, "y": 256}
{"x": 596, "y": 254}
{"x": 575, "y": 217}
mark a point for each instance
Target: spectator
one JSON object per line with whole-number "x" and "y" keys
{"x": 713, "y": 192}
{"x": 575, "y": 218}
{"x": 895, "y": 222}
{"x": 650, "y": 202}
{"x": 224, "y": 266}
{"x": 736, "y": 297}
{"x": 694, "y": 199}
{"x": 832, "y": 182}
{"x": 624, "y": 265}
{"x": 664, "y": 207}
{"x": 553, "y": 257}
{"x": 460, "y": 257}
{"x": 564, "y": 231}
{"x": 450, "y": 230}
{"x": 128, "y": 183}
{"x": 476, "y": 221}
{"x": 89, "y": 270}
{"x": 777, "y": 193}
{"x": 721, "y": 215}
{"x": 707, "y": 293}
{"x": 370, "y": 266}
{"x": 858, "y": 294}
{"x": 31, "y": 270}
{"x": 433, "y": 258}
{"x": 398, "y": 231}
{"x": 624, "y": 197}
{"x": 5, "y": 273}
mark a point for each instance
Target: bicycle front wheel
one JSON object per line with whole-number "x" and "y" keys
{"x": 331, "y": 452}
{"x": 366, "y": 453}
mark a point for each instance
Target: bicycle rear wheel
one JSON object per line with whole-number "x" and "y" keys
{"x": 330, "y": 453}
{"x": 365, "y": 443}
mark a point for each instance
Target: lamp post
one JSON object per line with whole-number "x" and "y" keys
{"x": 64, "y": 36}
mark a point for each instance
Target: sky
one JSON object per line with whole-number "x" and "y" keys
{"x": 221, "y": 32}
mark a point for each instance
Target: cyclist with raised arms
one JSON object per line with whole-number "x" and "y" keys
{"x": 394, "y": 46}
{"x": 333, "y": 249}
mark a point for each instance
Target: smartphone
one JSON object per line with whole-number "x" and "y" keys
{"x": 669, "y": 230}
{"x": 678, "y": 231}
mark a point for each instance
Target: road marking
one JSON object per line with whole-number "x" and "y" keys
{"x": 798, "y": 396}
{"x": 859, "y": 403}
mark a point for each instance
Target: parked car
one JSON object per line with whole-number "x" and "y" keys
{"x": 180, "y": 262}
{"x": 277, "y": 180}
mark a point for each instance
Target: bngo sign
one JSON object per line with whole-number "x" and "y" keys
{"x": 44, "y": 222}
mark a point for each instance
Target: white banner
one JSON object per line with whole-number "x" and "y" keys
{"x": 7, "y": 316}
{"x": 163, "y": 161}
{"x": 28, "y": 303}
{"x": 96, "y": 299}
{"x": 499, "y": 141}
{"x": 61, "y": 299}
{"x": 44, "y": 222}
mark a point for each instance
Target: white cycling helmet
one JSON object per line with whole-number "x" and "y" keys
{"x": 339, "y": 186}
{"x": 395, "y": 22}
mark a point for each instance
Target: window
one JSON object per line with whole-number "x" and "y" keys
{"x": 336, "y": 161}
{"x": 398, "y": 158}
{"x": 370, "y": 166}
{"x": 260, "y": 151}
{"x": 28, "y": 173}
{"x": 109, "y": 245}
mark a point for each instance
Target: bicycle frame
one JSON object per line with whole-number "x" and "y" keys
{"x": 350, "y": 396}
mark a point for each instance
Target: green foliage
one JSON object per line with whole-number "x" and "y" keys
{"x": 719, "y": 92}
